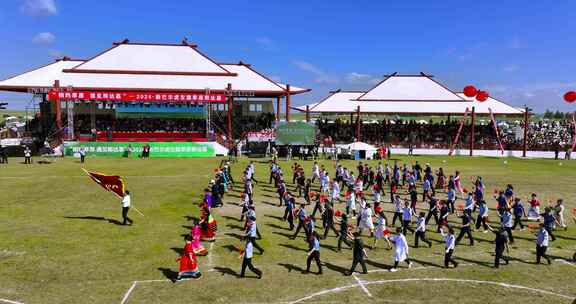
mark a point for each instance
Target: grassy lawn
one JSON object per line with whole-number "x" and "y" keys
{"x": 57, "y": 244}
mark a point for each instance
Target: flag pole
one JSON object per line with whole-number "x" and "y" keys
{"x": 135, "y": 209}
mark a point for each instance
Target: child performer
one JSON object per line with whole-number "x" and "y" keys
{"x": 450, "y": 245}
{"x": 366, "y": 220}
{"x": 421, "y": 230}
{"x": 407, "y": 218}
{"x": 534, "y": 211}
{"x": 482, "y": 216}
{"x": 351, "y": 203}
{"x": 188, "y": 266}
{"x": 401, "y": 250}
{"x": 519, "y": 212}
{"x": 559, "y": 209}
{"x": 397, "y": 210}
{"x": 451, "y": 199}
{"x": 506, "y": 221}
{"x": 196, "y": 244}
{"x": 381, "y": 230}
{"x": 458, "y": 182}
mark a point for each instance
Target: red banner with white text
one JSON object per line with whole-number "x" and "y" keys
{"x": 149, "y": 96}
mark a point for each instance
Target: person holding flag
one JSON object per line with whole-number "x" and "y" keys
{"x": 125, "y": 208}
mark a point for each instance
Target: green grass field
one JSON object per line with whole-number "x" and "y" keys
{"x": 59, "y": 242}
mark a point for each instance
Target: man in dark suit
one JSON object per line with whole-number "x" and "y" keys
{"x": 359, "y": 253}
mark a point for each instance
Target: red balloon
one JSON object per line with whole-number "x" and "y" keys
{"x": 482, "y": 96}
{"x": 470, "y": 91}
{"x": 570, "y": 96}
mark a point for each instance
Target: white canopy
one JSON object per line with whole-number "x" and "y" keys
{"x": 139, "y": 66}
{"x": 360, "y": 146}
{"x": 411, "y": 94}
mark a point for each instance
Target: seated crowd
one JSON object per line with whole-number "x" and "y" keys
{"x": 542, "y": 135}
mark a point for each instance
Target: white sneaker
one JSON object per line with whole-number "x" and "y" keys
{"x": 393, "y": 269}
{"x": 409, "y": 265}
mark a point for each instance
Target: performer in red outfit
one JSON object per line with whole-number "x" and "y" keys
{"x": 208, "y": 225}
{"x": 188, "y": 265}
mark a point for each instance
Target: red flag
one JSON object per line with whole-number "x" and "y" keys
{"x": 112, "y": 183}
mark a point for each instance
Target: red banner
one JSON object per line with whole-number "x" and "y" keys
{"x": 175, "y": 97}
{"x": 112, "y": 183}
{"x": 496, "y": 130}
{"x": 455, "y": 141}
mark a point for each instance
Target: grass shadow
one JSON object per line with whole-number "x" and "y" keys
{"x": 426, "y": 263}
{"x": 274, "y": 217}
{"x": 290, "y": 246}
{"x": 231, "y": 218}
{"x": 169, "y": 274}
{"x": 95, "y": 218}
{"x": 377, "y": 265}
{"x": 336, "y": 268}
{"x": 291, "y": 267}
{"x": 226, "y": 271}
{"x": 480, "y": 263}
{"x": 235, "y": 235}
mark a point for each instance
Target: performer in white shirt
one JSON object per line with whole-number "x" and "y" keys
{"x": 366, "y": 220}
{"x": 401, "y": 249}
{"x": 450, "y": 245}
{"x": 125, "y": 208}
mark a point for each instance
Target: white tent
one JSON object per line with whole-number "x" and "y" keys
{"x": 368, "y": 150}
{"x": 408, "y": 94}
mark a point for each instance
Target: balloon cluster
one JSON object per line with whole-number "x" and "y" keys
{"x": 471, "y": 91}
{"x": 570, "y": 97}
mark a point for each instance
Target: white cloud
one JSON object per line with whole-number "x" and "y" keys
{"x": 267, "y": 43}
{"x": 510, "y": 68}
{"x": 44, "y": 38}
{"x": 321, "y": 77}
{"x": 39, "y": 7}
{"x": 359, "y": 78}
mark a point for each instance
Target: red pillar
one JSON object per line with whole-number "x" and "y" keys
{"x": 288, "y": 103}
{"x": 472, "y": 132}
{"x": 278, "y": 108}
{"x": 58, "y": 108}
{"x": 307, "y": 113}
{"x": 230, "y": 101}
{"x": 525, "y": 144}
{"x": 358, "y": 124}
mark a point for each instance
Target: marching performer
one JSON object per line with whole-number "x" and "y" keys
{"x": 382, "y": 231}
{"x": 247, "y": 260}
{"x": 401, "y": 250}
{"x": 450, "y": 245}
{"x": 188, "y": 266}
{"x": 196, "y": 244}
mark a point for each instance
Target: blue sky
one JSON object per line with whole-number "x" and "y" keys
{"x": 522, "y": 52}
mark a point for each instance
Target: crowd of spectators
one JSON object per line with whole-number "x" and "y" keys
{"x": 542, "y": 135}
{"x": 104, "y": 123}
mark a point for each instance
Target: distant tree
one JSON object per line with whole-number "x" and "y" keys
{"x": 558, "y": 115}
{"x": 548, "y": 114}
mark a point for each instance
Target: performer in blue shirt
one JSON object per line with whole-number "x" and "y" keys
{"x": 313, "y": 252}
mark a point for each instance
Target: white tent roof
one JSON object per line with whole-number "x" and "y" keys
{"x": 496, "y": 105}
{"x": 336, "y": 102}
{"x": 453, "y": 103}
{"x": 41, "y": 77}
{"x": 148, "y": 67}
{"x": 152, "y": 57}
{"x": 410, "y": 87}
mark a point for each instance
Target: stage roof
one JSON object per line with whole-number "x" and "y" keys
{"x": 153, "y": 67}
{"x": 407, "y": 94}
